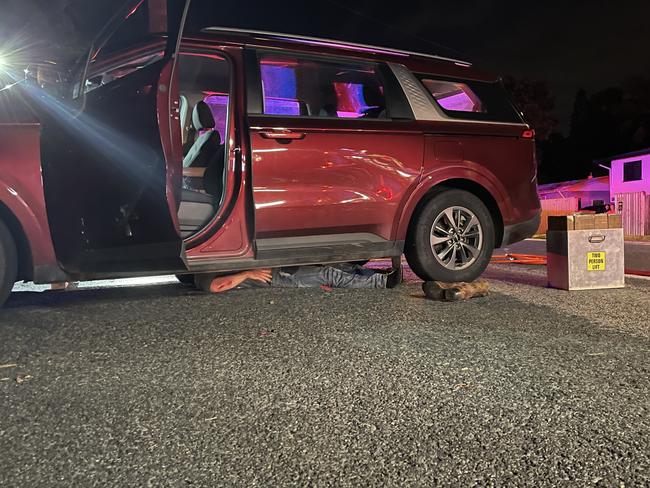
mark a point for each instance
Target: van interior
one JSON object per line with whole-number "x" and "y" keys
{"x": 204, "y": 86}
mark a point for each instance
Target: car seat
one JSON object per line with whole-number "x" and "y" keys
{"x": 208, "y": 140}
{"x": 375, "y": 101}
{"x": 197, "y": 207}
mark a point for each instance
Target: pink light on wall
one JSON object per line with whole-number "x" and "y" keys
{"x": 617, "y": 183}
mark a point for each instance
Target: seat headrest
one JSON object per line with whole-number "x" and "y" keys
{"x": 373, "y": 96}
{"x": 202, "y": 117}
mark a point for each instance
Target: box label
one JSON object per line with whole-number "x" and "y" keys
{"x": 596, "y": 261}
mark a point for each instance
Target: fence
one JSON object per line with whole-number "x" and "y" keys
{"x": 635, "y": 209}
{"x": 556, "y": 206}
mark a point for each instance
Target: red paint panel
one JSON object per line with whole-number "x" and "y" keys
{"x": 332, "y": 180}
{"x": 21, "y": 187}
{"x": 511, "y": 162}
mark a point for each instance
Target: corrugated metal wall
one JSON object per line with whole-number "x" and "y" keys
{"x": 635, "y": 208}
{"x": 561, "y": 204}
{"x": 556, "y": 206}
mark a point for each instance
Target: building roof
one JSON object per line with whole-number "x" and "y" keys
{"x": 599, "y": 184}
{"x": 641, "y": 152}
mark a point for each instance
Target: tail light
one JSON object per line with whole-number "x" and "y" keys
{"x": 528, "y": 134}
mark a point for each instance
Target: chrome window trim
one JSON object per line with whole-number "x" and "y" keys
{"x": 340, "y": 44}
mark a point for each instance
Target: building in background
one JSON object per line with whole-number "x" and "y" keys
{"x": 629, "y": 173}
{"x": 627, "y": 189}
{"x": 629, "y": 181}
{"x": 576, "y": 194}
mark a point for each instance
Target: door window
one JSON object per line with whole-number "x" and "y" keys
{"x": 120, "y": 70}
{"x": 142, "y": 25}
{"x": 302, "y": 87}
{"x": 471, "y": 100}
{"x": 204, "y": 91}
{"x": 452, "y": 96}
{"x": 204, "y": 77}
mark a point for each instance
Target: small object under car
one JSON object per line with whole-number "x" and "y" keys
{"x": 455, "y": 292}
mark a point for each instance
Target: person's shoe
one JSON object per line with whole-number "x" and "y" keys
{"x": 395, "y": 277}
{"x": 433, "y": 290}
{"x": 454, "y": 292}
{"x": 203, "y": 281}
{"x": 466, "y": 291}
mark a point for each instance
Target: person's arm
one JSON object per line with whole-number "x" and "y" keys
{"x": 225, "y": 283}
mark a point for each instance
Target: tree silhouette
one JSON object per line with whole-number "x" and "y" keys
{"x": 535, "y": 100}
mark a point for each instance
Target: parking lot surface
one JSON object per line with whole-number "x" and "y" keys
{"x": 160, "y": 385}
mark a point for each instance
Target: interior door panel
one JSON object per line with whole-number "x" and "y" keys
{"x": 111, "y": 166}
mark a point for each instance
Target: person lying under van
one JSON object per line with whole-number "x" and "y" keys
{"x": 344, "y": 275}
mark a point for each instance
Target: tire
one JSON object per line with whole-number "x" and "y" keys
{"x": 462, "y": 249}
{"x": 8, "y": 263}
{"x": 186, "y": 279}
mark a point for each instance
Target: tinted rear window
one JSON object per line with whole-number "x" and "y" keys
{"x": 472, "y": 100}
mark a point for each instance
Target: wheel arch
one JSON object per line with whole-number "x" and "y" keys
{"x": 470, "y": 186}
{"x": 25, "y": 259}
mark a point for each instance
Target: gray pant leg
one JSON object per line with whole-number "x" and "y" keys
{"x": 340, "y": 278}
{"x": 336, "y": 276}
{"x": 303, "y": 277}
{"x": 354, "y": 268}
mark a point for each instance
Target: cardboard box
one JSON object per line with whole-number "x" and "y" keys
{"x": 601, "y": 221}
{"x": 584, "y": 221}
{"x": 615, "y": 221}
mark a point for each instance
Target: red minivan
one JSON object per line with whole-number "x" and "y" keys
{"x": 220, "y": 150}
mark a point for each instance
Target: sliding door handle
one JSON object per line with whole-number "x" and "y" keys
{"x": 282, "y": 135}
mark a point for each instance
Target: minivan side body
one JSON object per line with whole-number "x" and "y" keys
{"x": 228, "y": 150}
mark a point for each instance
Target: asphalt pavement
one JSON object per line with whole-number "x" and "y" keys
{"x": 159, "y": 385}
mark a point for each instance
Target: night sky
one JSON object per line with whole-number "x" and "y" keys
{"x": 571, "y": 44}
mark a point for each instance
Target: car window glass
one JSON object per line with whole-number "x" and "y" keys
{"x": 471, "y": 100}
{"x": 138, "y": 27}
{"x": 632, "y": 171}
{"x": 204, "y": 77}
{"x": 95, "y": 80}
{"x": 302, "y": 87}
{"x": 454, "y": 97}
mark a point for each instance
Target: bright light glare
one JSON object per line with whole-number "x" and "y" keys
{"x": 10, "y": 85}
{"x": 3, "y": 62}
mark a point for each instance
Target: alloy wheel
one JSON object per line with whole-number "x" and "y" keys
{"x": 456, "y": 238}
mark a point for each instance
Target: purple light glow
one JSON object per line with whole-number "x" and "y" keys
{"x": 455, "y": 97}
{"x": 281, "y": 106}
{"x": 279, "y": 90}
{"x": 460, "y": 102}
{"x": 351, "y": 104}
{"x": 218, "y": 104}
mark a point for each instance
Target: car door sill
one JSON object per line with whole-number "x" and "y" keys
{"x": 268, "y": 255}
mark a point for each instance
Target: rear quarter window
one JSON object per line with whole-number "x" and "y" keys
{"x": 471, "y": 100}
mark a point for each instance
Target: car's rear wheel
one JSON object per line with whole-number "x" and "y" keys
{"x": 451, "y": 239}
{"x": 186, "y": 279}
{"x": 8, "y": 263}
